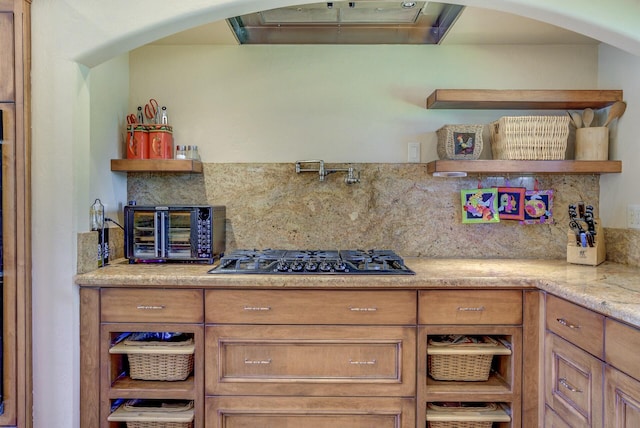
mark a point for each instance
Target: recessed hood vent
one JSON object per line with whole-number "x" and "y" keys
{"x": 360, "y": 22}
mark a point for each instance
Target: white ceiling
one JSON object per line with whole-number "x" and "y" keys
{"x": 474, "y": 26}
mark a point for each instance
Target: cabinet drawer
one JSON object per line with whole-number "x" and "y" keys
{"x": 580, "y": 326}
{"x": 160, "y": 305}
{"x": 316, "y": 412}
{"x": 470, "y": 307}
{"x": 310, "y": 307}
{"x": 310, "y": 360}
{"x": 620, "y": 340}
{"x": 573, "y": 383}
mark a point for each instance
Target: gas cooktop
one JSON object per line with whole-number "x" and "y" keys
{"x": 305, "y": 262}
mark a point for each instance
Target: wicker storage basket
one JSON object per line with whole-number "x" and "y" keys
{"x": 530, "y": 137}
{"x": 154, "y": 414}
{"x": 462, "y": 358}
{"x": 461, "y": 415}
{"x": 157, "y": 360}
{"x": 460, "y": 141}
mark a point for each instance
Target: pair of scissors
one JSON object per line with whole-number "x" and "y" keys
{"x": 151, "y": 110}
{"x": 131, "y": 119}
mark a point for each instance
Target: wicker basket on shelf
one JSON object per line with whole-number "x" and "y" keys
{"x": 465, "y": 415}
{"x": 462, "y": 358}
{"x": 157, "y": 359}
{"x": 529, "y": 137}
{"x": 154, "y": 414}
{"x": 463, "y": 142}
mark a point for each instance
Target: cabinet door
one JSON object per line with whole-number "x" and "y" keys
{"x": 316, "y": 412}
{"x": 573, "y": 380}
{"x": 7, "y": 80}
{"x": 622, "y": 400}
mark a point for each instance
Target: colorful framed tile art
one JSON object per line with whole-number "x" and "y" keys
{"x": 511, "y": 203}
{"x": 538, "y": 206}
{"x": 479, "y": 205}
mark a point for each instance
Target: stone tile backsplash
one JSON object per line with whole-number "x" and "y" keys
{"x": 395, "y": 206}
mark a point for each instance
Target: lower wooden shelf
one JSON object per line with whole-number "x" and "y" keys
{"x": 453, "y": 168}
{"x": 156, "y": 165}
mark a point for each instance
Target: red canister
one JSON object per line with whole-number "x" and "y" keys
{"x": 137, "y": 142}
{"x": 160, "y": 141}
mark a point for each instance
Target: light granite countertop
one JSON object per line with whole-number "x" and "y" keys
{"x": 611, "y": 289}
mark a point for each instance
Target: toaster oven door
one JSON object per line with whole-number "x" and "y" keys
{"x": 145, "y": 239}
{"x": 179, "y": 228}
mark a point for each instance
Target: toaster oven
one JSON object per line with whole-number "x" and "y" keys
{"x": 172, "y": 233}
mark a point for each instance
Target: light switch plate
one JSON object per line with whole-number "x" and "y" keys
{"x": 413, "y": 152}
{"x": 633, "y": 216}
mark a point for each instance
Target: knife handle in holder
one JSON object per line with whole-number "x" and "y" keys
{"x": 586, "y": 255}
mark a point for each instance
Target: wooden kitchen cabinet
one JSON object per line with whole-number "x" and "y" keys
{"x": 310, "y": 358}
{"x": 494, "y": 313}
{"x": 591, "y": 370}
{"x": 108, "y": 315}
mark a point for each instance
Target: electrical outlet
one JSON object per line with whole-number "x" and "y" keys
{"x": 633, "y": 216}
{"x": 413, "y": 152}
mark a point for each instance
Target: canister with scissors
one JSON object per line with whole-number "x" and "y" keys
{"x": 160, "y": 141}
{"x": 137, "y": 142}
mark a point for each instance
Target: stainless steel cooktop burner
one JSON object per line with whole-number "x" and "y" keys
{"x": 372, "y": 262}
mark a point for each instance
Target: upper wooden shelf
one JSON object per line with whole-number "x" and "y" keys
{"x": 156, "y": 165}
{"x": 445, "y": 167}
{"x": 521, "y": 99}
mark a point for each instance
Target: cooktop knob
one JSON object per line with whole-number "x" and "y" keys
{"x": 324, "y": 266}
{"x": 311, "y": 266}
{"x": 340, "y": 266}
{"x": 282, "y": 266}
{"x": 297, "y": 266}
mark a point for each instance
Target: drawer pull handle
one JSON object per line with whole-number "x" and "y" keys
{"x": 462, "y": 309}
{"x": 357, "y": 309}
{"x": 362, "y": 363}
{"x": 567, "y": 385}
{"x": 257, "y": 308}
{"x": 151, "y": 307}
{"x": 248, "y": 361}
{"x": 566, "y": 323}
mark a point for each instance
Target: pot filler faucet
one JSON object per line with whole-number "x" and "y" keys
{"x": 351, "y": 178}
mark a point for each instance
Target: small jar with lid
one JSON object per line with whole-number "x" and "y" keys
{"x": 192, "y": 153}
{"x": 181, "y": 152}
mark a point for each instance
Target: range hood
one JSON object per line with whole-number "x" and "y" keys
{"x": 358, "y": 22}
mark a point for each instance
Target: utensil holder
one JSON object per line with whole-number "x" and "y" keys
{"x": 592, "y": 143}
{"x": 591, "y": 256}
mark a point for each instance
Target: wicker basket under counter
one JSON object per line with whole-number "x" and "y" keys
{"x": 482, "y": 415}
{"x": 157, "y": 360}
{"x": 163, "y": 415}
{"x": 462, "y": 361}
{"x": 529, "y": 137}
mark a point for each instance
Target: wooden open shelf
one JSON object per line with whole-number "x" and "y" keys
{"x": 156, "y": 165}
{"x": 521, "y": 99}
{"x": 125, "y": 387}
{"x": 524, "y": 167}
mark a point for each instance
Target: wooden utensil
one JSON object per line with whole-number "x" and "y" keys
{"x": 587, "y": 117}
{"x": 577, "y": 119}
{"x": 616, "y": 110}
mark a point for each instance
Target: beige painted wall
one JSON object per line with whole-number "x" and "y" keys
{"x": 337, "y": 103}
